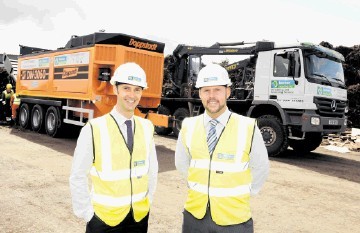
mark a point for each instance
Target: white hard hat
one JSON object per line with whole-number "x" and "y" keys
{"x": 213, "y": 75}
{"x": 130, "y": 73}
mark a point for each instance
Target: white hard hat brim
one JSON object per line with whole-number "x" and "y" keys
{"x": 213, "y": 85}
{"x": 130, "y": 83}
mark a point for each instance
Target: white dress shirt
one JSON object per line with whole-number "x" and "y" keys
{"x": 82, "y": 163}
{"x": 259, "y": 161}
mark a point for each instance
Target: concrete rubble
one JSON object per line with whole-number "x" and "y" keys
{"x": 343, "y": 143}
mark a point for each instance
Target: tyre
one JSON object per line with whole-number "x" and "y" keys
{"x": 24, "y": 116}
{"x": 179, "y": 115}
{"x": 52, "y": 122}
{"x": 274, "y": 134}
{"x": 163, "y": 130}
{"x": 311, "y": 142}
{"x": 37, "y": 118}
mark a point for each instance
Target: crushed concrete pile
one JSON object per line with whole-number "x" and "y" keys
{"x": 345, "y": 142}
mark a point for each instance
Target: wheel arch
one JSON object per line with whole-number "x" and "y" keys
{"x": 260, "y": 108}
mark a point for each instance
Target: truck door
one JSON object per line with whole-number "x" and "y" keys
{"x": 287, "y": 79}
{"x": 188, "y": 87}
{"x": 194, "y": 67}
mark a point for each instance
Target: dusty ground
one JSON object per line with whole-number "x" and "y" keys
{"x": 318, "y": 192}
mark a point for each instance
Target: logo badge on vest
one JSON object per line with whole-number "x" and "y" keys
{"x": 139, "y": 163}
{"x": 225, "y": 156}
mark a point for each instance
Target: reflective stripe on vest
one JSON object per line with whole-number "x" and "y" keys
{"x": 16, "y": 100}
{"x": 120, "y": 180}
{"x": 223, "y": 179}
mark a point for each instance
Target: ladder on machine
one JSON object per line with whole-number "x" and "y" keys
{"x": 194, "y": 109}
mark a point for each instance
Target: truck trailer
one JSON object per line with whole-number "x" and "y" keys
{"x": 297, "y": 91}
{"x": 70, "y": 85}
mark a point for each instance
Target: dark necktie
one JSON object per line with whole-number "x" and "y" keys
{"x": 130, "y": 136}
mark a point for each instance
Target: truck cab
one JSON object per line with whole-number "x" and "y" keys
{"x": 305, "y": 83}
{"x": 296, "y": 92}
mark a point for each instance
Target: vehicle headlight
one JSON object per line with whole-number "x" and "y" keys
{"x": 315, "y": 120}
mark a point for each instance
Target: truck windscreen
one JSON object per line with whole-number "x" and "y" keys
{"x": 324, "y": 66}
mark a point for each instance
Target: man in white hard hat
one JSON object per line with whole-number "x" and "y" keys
{"x": 224, "y": 159}
{"x": 118, "y": 152}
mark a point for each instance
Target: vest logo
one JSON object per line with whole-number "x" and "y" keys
{"x": 142, "y": 45}
{"x": 70, "y": 72}
{"x": 139, "y": 163}
{"x": 40, "y": 74}
{"x": 211, "y": 79}
{"x": 134, "y": 78}
{"x": 225, "y": 156}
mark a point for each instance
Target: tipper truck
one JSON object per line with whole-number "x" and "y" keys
{"x": 297, "y": 91}
{"x": 70, "y": 85}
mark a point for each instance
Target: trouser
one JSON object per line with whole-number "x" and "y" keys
{"x": 14, "y": 113}
{"x": 128, "y": 225}
{"x": 2, "y": 112}
{"x": 207, "y": 225}
{"x": 7, "y": 111}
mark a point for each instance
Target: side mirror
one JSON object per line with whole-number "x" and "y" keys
{"x": 291, "y": 57}
{"x": 104, "y": 74}
{"x": 292, "y": 66}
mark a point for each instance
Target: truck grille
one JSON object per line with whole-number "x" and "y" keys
{"x": 330, "y": 107}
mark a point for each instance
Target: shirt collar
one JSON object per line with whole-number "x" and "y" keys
{"x": 120, "y": 119}
{"x": 223, "y": 118}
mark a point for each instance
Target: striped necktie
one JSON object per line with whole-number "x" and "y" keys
{"x": 211, "y": 138}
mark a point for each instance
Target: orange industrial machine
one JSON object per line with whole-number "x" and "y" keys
{"x": 71, "y": 85}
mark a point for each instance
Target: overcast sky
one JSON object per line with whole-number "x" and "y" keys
{"x": 50, "y": 24}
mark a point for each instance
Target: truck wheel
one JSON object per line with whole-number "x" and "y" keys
{"x": 24, "y": 115}
{"x": 274, "y": 134}
{"x": 311, "y": 142}
{"x": 37, "y": 118}
{"x": 163, "y": 130}
{"x": 52, "y": 121}
{"x": 179, "y": 115}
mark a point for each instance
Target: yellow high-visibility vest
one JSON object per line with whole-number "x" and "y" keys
{"x": 8, "y": 95}
{"x": 223, "y": 179}
{"x": 115, "y": 191}
{"x": 16, "y": 100}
